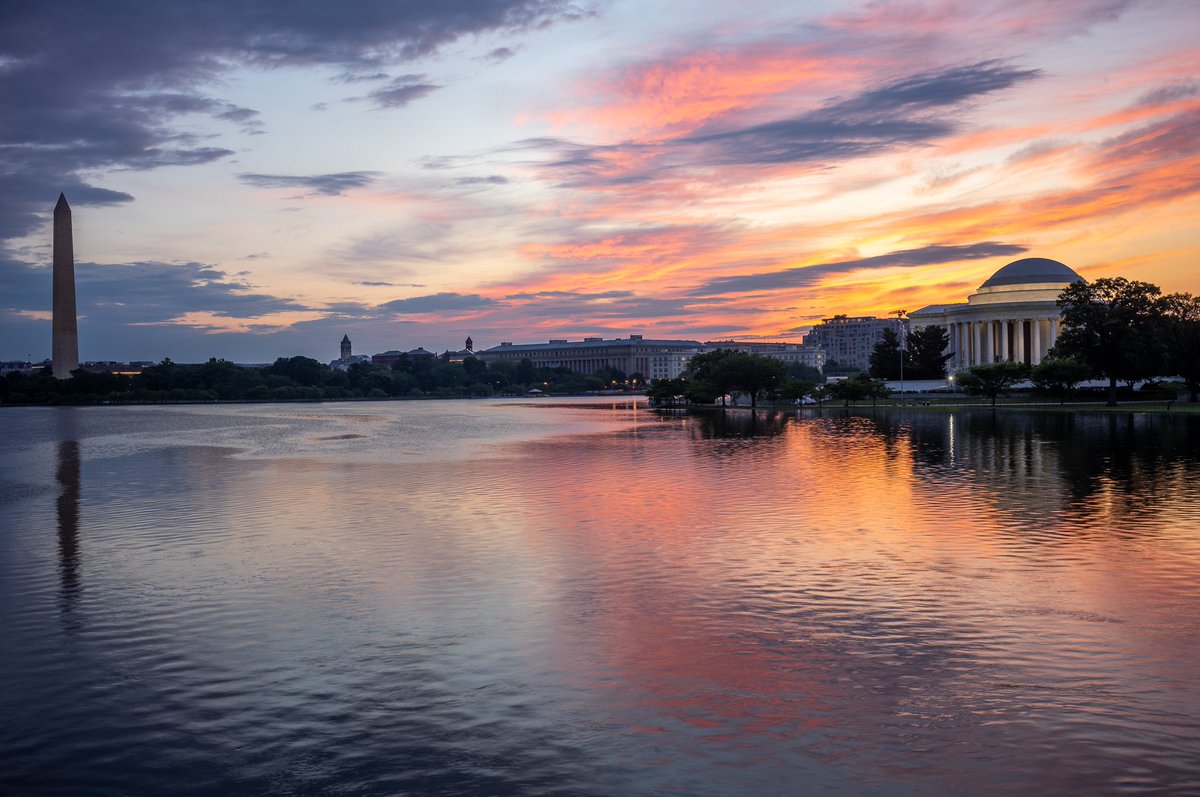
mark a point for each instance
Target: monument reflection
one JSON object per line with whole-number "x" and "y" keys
{"x": 68, "y": 457}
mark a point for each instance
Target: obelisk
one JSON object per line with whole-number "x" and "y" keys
{"x": 65, "y": 344}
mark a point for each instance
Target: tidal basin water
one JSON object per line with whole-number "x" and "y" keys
{"x": 582, "y": 598}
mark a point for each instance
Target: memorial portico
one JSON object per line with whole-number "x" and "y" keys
{"x": 1013, "y": 317}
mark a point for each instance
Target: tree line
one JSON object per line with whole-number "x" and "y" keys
{"x": 303, "y": 378}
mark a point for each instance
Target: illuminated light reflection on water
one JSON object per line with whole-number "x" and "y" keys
{"x": 556, "y": 598}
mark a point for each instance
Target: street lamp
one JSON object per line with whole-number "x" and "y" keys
{"x": 901, "y": 316}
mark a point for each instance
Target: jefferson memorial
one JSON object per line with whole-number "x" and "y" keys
{"x": 1013, "y": 316}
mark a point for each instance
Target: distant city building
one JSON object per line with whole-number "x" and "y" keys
{"x": 458, "y": 356}
{"x": 802, "y": 353}
{"x": 653, "y": 359}
{"x": 849, "y": 340}
{"x": 1012, "y": 317}
{"x": 17, "y": 366}
{"x": 392, "y": 356}
{"x": 113, "y": 367}
{"x": 348, "y": 357}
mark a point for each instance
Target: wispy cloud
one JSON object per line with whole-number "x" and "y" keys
{"x": 402, "y": 90}
{"x": 323, "y": 184}
{"x": 807, "y": 275}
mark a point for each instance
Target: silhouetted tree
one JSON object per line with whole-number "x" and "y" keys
{"x": 991, "y": 379}
{"x": 925, "y": 357}
{"x": 1181, "y": 330}
{"x": 1114, "y": 326}
{"x": 885, "y": 357}
{"x": 1058, "y": 376}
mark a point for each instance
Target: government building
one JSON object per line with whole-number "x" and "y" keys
{"x": 1012, "y": 317}
{"x": 654, "y": 359}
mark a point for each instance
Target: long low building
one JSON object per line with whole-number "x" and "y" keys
{"x": 653, "y": 359}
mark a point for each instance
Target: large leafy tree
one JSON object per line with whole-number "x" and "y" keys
{"x": 991, "y": 379}
{"x": 925, "y": 357}
{"x": 702, "y": 374}
{"x": 1058, "y": 377}
{"x": 752, "y": 374}
{"x": 1181, "y": 331}
{"x": 728, "y": 371}
{"x": 1113, "y": 325}
{"x": 858, "y": 388}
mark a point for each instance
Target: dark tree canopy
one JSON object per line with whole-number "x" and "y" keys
{"x": 725, "y": 371}
{"x": 1058, "y": 376}
{"x": 991, "y": 379}
{"x": 925, "y": 352}
{"x": 885, "y": 357}
{"x": 1181, "y": 332}
{"x": 857, "y": 388}
{"x": 1113, "y": 326}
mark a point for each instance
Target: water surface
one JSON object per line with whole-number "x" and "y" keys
{"x": 509, "y": 597}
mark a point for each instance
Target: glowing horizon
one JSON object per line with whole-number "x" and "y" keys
{"x": 537, "y": 169}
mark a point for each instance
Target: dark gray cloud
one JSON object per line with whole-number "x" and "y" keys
{"x": 1172, "y": 92}
{"x": 402, "y": 90}
{"x": 914, "y": 110}
{"x": 324, "y": 184}
{"x": 390, "y": 284}
{"x": 500, "y": 54}
{"x": 88, "y": 87}
{"x": 571, "y": 295}
{"x": 896, "y": 114}
{"x": 582, "y": 309}
{"x": 491, "y": 179}
{"x": 437, "y": 302}
{"x": 351, "y": 76}
{"x": 145, "y": 292}
{"x": 800, "y": 277}
{"x": 935, "y": 89}
{"x": 909, "y": 112}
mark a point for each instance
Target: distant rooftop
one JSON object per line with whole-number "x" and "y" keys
{"x": 590, "y": 343}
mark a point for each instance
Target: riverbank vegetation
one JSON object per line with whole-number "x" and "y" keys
{"x": 303, "y": 378}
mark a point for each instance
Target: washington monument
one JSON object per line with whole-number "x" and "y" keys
{"x": 65, "y": 348}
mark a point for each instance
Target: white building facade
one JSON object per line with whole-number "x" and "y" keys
{"x": 1013, "y": 317}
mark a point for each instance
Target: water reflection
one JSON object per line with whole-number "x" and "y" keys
{"x": 718, "y": 424}
{"x": 67, "y": 475}
{"x": 1134, "y": 458}
{"x": 717, "y": 603}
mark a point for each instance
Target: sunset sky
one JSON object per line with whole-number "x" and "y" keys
{"x": 256, "y": 179}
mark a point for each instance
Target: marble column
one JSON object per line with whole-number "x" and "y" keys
{"x": 977, "y": 340}
{"x": 1053, "y": 334}
{"x": 1005, "y": 352}
{"x": 1035, "y": 341}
